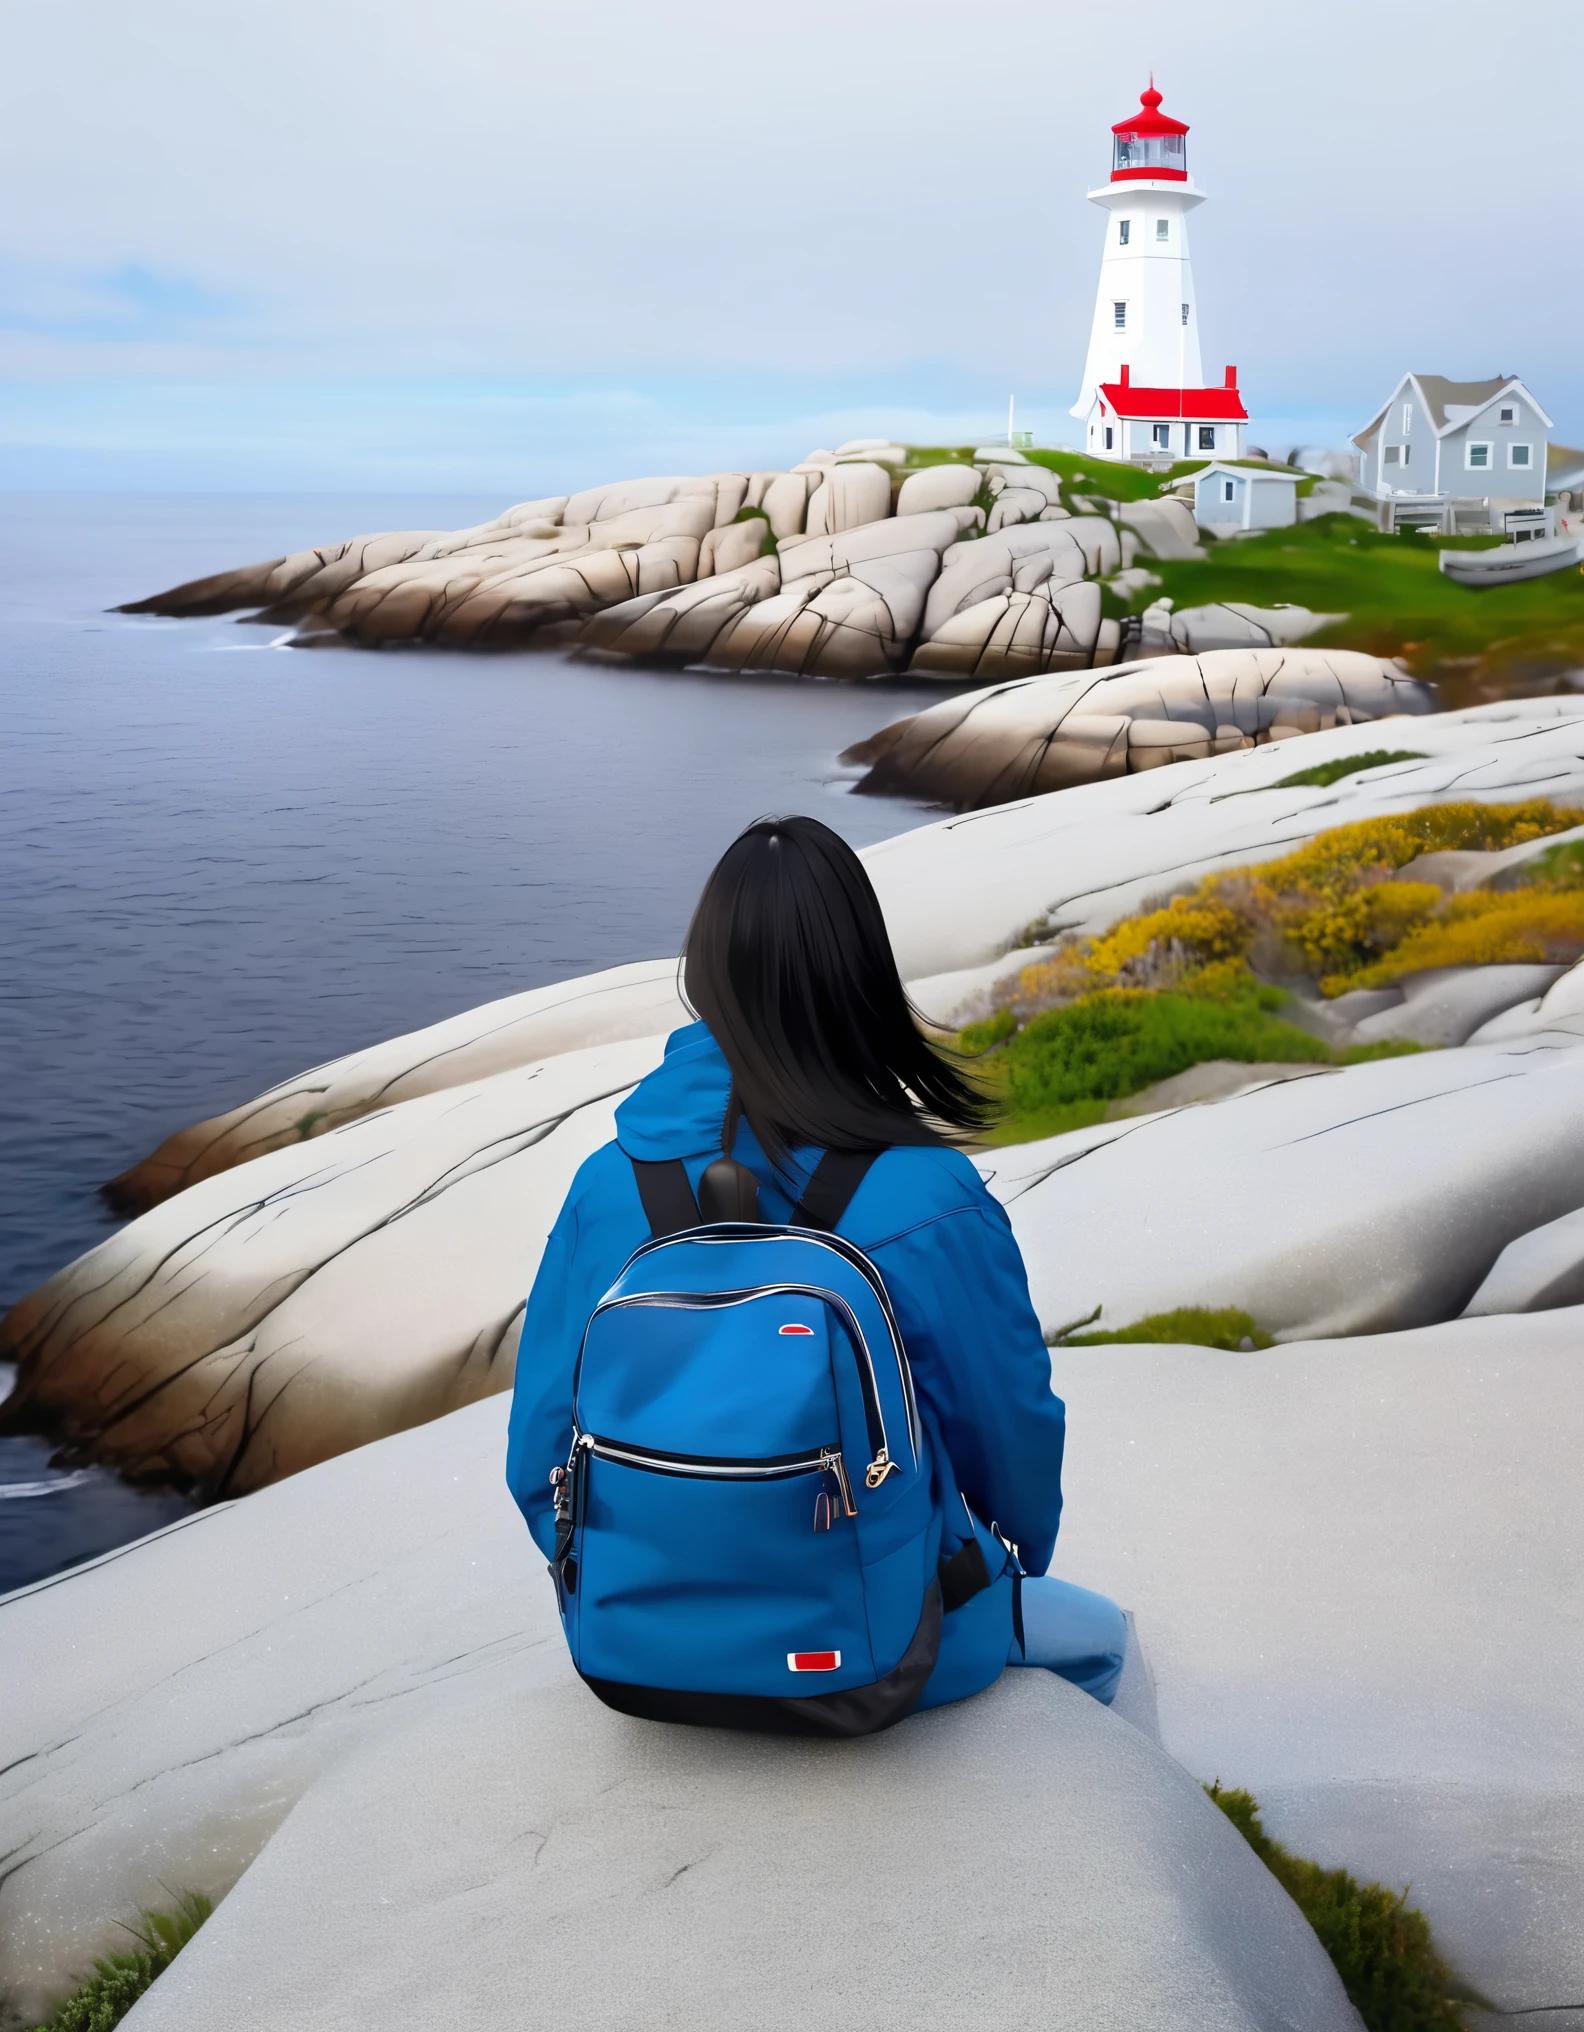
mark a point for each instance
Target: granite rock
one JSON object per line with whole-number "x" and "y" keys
{"x": 357, "y": 1721}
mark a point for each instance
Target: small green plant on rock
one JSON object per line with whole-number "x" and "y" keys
{"x": 119, "y": 1980}
{"x": 1196, "y": 1326}
{"x": 1379, "y": 1943}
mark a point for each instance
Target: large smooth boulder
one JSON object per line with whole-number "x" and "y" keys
{"x": 1015, "y": 634}
{"x": 960, "y": 893}
{"x": 323, "y": 1295}
{"x": 1542, "y": 1269}
{"x": 1013, "y": 740}
{"x": 847, "y": 498}
{"x": 606, "y": 1008}
{"x": 1011, "y": 561}
{"x": 1356, "y": 1568}
{"x": 1372, "y": 1200}
{"x": 355, "y": 1718}
{"x": 1166, "y": 528}
{"x": 682, "y": 626}
{"x": 1229, "y": 624}
{"x": 938, "y": 487}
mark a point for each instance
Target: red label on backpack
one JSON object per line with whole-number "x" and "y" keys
{"x": 813, "y": 1661}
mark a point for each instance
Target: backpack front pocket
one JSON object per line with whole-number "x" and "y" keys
{"x": 714, "y": 1574}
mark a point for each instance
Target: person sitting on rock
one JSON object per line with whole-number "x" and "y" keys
{"x": 807, "y": 1076}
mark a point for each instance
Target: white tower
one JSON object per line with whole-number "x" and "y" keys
{"x": 1143, "y": 392}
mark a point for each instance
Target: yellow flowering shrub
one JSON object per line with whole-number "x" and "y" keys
{"x": 1483, "y": 930}
{"x": 1333, "y": 909}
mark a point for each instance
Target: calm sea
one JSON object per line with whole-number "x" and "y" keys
{"x": 222, "y": 860}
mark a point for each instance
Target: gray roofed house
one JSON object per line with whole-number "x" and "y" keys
{"x": 1457, "y": 455}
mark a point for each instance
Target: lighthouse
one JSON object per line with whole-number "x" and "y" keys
{"x": 1143, "y": 395}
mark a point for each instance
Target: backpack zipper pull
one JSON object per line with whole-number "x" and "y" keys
{"x": 881, "y": 1466}
{"x": 833, "y": 1465}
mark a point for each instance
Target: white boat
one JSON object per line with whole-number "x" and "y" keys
{"x": 1529, "y": 558}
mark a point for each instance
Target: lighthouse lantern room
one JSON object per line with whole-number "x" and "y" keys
{"x": 1143, "y": 395}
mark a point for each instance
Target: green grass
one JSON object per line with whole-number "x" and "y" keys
{"x": 1325, "y": 773}
{"x": 119, "y": 1980}
{"x": 1396, "y": 601}
{"x": 1195, "y": 1326}
{"x": 1380, "y": 1945}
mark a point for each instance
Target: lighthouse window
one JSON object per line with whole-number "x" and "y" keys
{"x": 1185, "y": 313}
{"x": 1124, "y": 231}
{"x": 1479, "y": 456}
{"x": 1119, "y": 316}
{"x": 1163, "y": 229}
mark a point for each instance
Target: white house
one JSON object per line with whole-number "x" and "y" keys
{"x": 1456, "y": 454}
{"x": 1244, "y": 497}
{"x": 1143, "y": 394}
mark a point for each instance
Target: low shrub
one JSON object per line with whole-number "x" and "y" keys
{"x": 119, "y": 1980}
{"x": 1195, "y": 1326}
{"x": 1124, "y": 1039}
{"x": 1379, "y": 1943}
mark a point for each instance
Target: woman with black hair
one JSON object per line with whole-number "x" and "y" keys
{"x": 807, "y": 1044}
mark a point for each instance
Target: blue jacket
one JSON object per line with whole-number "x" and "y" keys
{"x": 956, "y": 1282}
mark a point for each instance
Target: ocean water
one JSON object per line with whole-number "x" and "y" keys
{"x": 223, "y": 860}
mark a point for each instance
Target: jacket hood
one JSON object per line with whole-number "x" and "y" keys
{"x": 679, "y": 1109}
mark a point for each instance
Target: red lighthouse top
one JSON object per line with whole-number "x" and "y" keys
{"x": 1150, "y": 144}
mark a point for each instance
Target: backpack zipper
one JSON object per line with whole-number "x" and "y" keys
{"x": 881, "y": 1464}
{"x": 747, "y": 1231}
{"x": 718, "y": 1467}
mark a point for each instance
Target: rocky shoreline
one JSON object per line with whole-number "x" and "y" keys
{"x": 853, "y": 564}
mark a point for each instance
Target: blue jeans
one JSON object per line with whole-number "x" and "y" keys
{"x": 1079, "y": 1636}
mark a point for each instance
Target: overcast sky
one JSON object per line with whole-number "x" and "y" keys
{"x": 463, "y": 243}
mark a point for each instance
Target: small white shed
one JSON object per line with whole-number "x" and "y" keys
{"x": 1244, "y": 497}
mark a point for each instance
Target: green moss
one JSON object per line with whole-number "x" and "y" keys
{"x": 1121, "y": 1040}
{"x": 1325, "y": 773}
{"x": 768, "y": 547}
{"x": 1380, "y": 1945}
{"x": 119, "y": 1980}
{"x": 1190, "y": 1325}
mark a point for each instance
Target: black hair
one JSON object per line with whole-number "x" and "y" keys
{"x": 789, "y": 963}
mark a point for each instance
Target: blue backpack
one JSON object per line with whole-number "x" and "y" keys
{"x": 746, "y": 1532}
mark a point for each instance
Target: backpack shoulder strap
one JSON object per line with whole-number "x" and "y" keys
{"x": 668, "y": 1202}
{"x": 830, "y": 1188}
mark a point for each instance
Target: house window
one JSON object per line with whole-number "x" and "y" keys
{"x": 1161, "y": 433}
{"x": 1228, "y": 490}
{"x": 1124, "y": 231}
{"x": 1477, "y": 457}
{"x": 1163, "y": 229}
{"x": 1207, "y": 437}
{"x": 1119, "y": 316}
{"x": 1509, "y": 416}
{"x": 1520, "y": 455}
{"x": 1392, "y": 455}
{"x": 1110, "y": 437}
{"x": 1407, "y": 418}
{"x": 1185, "y": 313}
